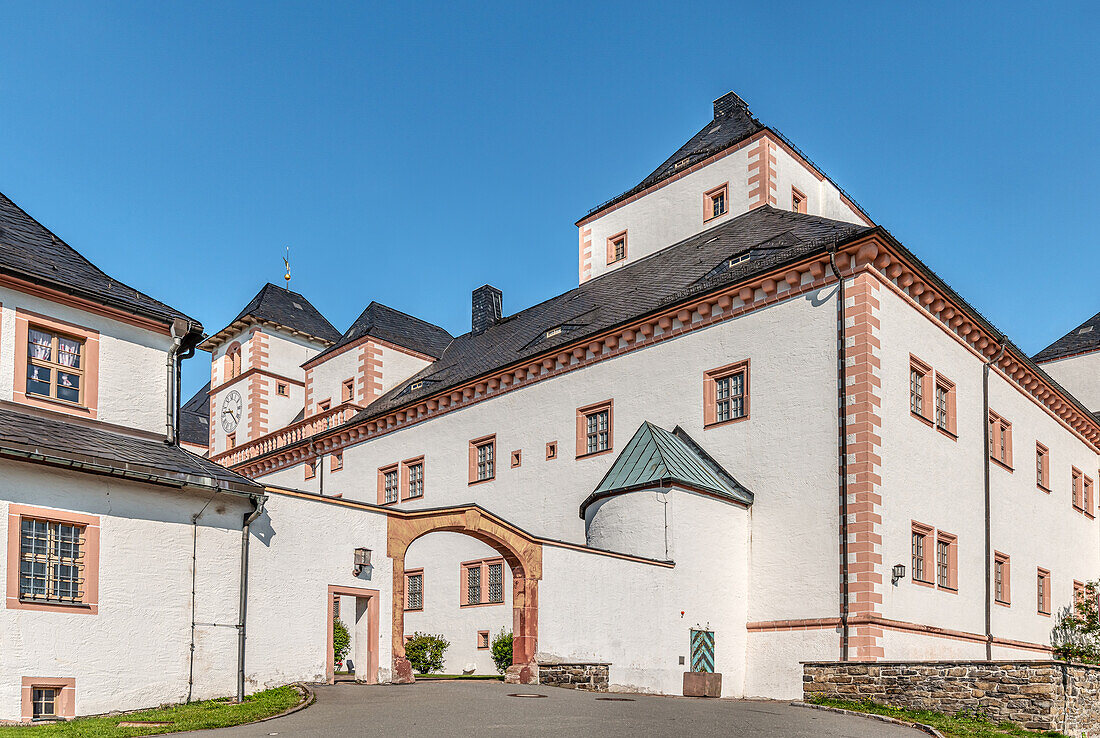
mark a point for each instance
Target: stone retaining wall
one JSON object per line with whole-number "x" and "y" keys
{"x": 591, "y": 677}
{"x": 1040, "y": 695}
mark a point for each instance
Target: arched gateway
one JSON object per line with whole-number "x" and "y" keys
{"x": 522, "y": 553}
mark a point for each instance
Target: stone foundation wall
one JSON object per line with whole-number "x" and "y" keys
{"x": 591, "y": 677}
{"x": 1040, "y": 695}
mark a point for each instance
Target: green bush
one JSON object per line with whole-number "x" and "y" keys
{"x": 341, "y": 641}
{"x": 501, "y": 650}
{"x": 425, "y": 652}
{"x": 1076, "y": 633}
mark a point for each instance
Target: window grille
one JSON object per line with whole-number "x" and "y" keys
{"x": 416, "y": 480}
{"x": 51, "y": 561}
{"x": 473, "y": 585}
{"x": 999, "y": 580}
{"x": 54, "y": 367}
{"x": 414, "y": 592}
{"x": 729, "y": 397}
{"x": 941, "y": 406}
{"x": 43, "y": 703}
{"x": 1039, "y": 459}
{"x": 1041, "y": 587}
{"x": 486, "y": 466}
{"x": 496, "y": 582}
{"x": 942, "y": 569}
{"x": 918, "y": 556}
{"x": 620, "y": 248}
{"x": 916, "y": 389}
{"x": 391, "y": 486}
{"x": 596, "y": 432}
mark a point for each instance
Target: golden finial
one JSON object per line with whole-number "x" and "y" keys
{"x": 286, "y": 261}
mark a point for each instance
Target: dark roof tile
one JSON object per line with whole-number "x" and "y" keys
{"x": 278, "y": 305}
{"x": 1083, "y": 338}
{"x": 386, "y": 324}
{"x": 195, "y": 418}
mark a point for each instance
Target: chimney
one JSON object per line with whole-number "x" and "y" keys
{"x": 729, "y": 104}
{"x": 486, "y": 309}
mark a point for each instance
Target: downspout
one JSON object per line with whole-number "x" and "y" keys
{"x": 988, "y": 533}
{"x": 194, "y": 577}
{"x": 184, "y": 336}
{"x": 842, "y": 411}
{"x": 257, "y": 509}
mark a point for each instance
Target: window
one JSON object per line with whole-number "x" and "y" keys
{"x": 1088, "y": 497}
{"x": 311, "y": 468}
{"x": 414, "y": 589}
{"x": 945, "y": 405}
{"x": 920, "y": 389}
{"x": 922, "y": 570}
{"x": 43, "y": 703}
{"x": 388, "y": 484}
{"x": 1042, "y": 467}
{"x": 1000, "y": 440}
{"x": 483, "y": 459}
{"x": 483, "y": 582}
{"x": 551, "y": 450}
{"x": 1078, "y": 592}
{"x": 1002, "y": 592}
{"x": 413, "y": 481}
{"x": 231, "y": 440}
{"x": 946, "y": 561}
{"x": 348, "y": 390}
{"x": 517, "y": 458}
{"x": 1042, "y": 591}
{"x": 54, "y": 366}
{"x": 798, "y": 201}
{"x": 715, "y": 202}
{"x": 595, "y": 431}
{"x": 337, "y": 462}
{"x": 324, "y": 406}
{"x": 233, "y": 360}
{"x": 482, "y": 640}
{"x": 51, "y": 561}
{"x": 616, "y": 248}
{"x": 1075, "y": 485}
{"x": 726, "y": 394}
{"x": 282, "y": 389}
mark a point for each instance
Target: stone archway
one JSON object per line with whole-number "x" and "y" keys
{"x": 522, "y": 554}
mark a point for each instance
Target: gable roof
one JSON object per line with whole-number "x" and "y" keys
{"x": 84, "y": 447}
{"x": 1082, "y": 339}
{"x": 386, "y": 324}
{"x": 195, "y": 418}
{"x": 769, "y": 236}
{"x": 732, "y": 123}
{"x": 31, "y": 252}
{"x": 655, "y": 457}
{"x": 283, "y": 308}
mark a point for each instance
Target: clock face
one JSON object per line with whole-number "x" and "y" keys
{"x": 231, "y": 411}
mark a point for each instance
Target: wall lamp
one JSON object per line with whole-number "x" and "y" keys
{"x": 897, "y": 573}
{"x": 362, "y": 561}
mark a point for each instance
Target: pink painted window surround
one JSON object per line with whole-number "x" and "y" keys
{"x": 1042, "y": 591}
{"x": 947, "y": 561}
{"x": 1042, "y": 467}
{"x": 726, "y": 394}
{"x": 921, "y": 549}
{"x": 798, "y": 201}
{"x": 551, "y": 450}
{"x": 412, "y": 478}
{"x": 716, "y": 202}
{"x": 1000, "y": 440}
{"x": 56, "y": 365}
{"x": 920, "y": 389}
{"x": 482, "y": 458}
{"x": 414, "y": 589}
{"x": 47, "y": 698}
{"x": 595, "y": 429}
{"x": 1076, "y": 478}
{"x": 482, "y": 640}
{"x": 1086, "y": 502}
{"x": 53, "y": 560}
{"x": 389, "y": 483}
{"x": 482, "y": 582}
{"x": 943, "y": 401}
{"x": 1002, "y": 579}
{"x": 616, "y": 248}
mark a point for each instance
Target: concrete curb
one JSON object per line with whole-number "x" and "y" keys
{"x": 881, "y": 718}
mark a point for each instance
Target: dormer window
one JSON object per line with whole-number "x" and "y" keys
{"x": 416, "y": 385}
{"x": 716, "y": 202}
{"x": 798, "y": 201}
{"x": 616, "y": 248}
{"x": 54, "y": 367}
{"x": 553, "y": 332}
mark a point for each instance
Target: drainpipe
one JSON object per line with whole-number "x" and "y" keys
{"x": 184, "y": 339}
{"x": 988, "y": 533}
{"x": 842, "y": 410}
{"x": 257, "y": 509}
{"x": 194, "y": 576}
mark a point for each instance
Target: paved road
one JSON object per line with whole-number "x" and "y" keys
{"x": 485, "y": 709}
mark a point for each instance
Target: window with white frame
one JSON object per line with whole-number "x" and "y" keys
{"x": 43, "y": 703}
{"x": 486, "y": 463}
{"x": 390, "y": 481}
{"x": 51, "y": 561}
{"x": 918, "y": 555}
{"x": 416, "y": 479}
{"x": 729, "y": 397}
{"x": 596, "y": 431}
{"x": 54, "y": 367}
{"x": 943, "y": 563}
{"x": 916, "y": 390}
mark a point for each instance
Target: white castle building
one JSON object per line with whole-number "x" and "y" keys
{"x": 759, "y": 431}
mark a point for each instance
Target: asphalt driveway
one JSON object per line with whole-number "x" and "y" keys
{"x": 487, "y": 709}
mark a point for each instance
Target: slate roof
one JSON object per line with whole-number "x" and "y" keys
{"x": 655, "y": 457}
{"x": 283, "y": 307}
{"x": 195, "y": 418}
{"x": 88, "y": 448}
{"x": 29, "y": 251}
{"x": 1083, "y": 338}
{"x": 771, "y": 237}
{"x": 386, "y": 324}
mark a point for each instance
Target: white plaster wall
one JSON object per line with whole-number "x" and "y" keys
{"x": 133, "y": 385}
{"x": 1080, "y": 375}
{"x": 327, "y": 378}
{"x": 773, "y": 660}
{"x": 134, "y": 652}
{"x": 287, "y": 352}
{"x": 281, "y": 411}
{"x": 299, "y": 548}
{"x": 634, "y": 523}
{"x": 441, "y": 555}
{"x": 674, "y": 212}
{"x": 932, "y": 479}
{"x": 397, "y": 366}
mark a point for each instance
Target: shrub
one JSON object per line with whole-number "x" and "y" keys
{"x": 501, "y": 650}
{"x": 1076, "y": 634}
{"x": 341, "y": 641}
{"x": 425, "y": 652}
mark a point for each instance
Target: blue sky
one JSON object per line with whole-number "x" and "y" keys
{"x": 410, "y": 153}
